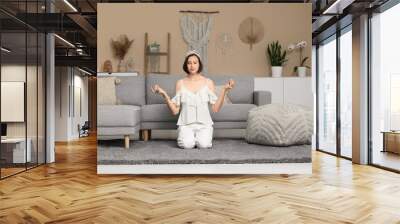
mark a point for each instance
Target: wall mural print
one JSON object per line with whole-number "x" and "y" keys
{"x": 193, "y": 110}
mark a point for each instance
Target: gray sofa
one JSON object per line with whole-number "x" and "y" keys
{"x": 141, "y": 109}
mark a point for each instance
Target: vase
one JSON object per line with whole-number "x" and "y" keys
{"x": 276, "y": 71}
{"x": 301, "y": 71}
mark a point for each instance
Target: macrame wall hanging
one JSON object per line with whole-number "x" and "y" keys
{"x": 251, "y": 31}
{"x": 196, "y": 28}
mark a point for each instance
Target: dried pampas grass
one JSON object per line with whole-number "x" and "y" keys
{"x": 121, "y": 46}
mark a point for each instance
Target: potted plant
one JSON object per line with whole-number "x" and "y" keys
{"x": 301, "y": 68}
{"x": 277, "y": 58}
{"x": 154, "y": 47}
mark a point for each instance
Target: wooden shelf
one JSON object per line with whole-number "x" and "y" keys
{"x": 158, "y": 53}
{"x": 160, "y": 72}
{"x": 148, "y": 56}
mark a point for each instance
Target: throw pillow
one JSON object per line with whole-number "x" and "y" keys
{"x": 218, "y": 90}
{"x": 106, "y": 91}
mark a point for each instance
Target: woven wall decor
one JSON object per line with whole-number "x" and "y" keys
{"x": 251, "y": 31}
{"x": 196, "y": 29}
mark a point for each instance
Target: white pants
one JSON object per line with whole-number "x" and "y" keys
{"x": 196, "y": 134}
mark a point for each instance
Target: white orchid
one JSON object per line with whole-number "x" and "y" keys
{"x": 291, "y": 47}
{"x": 301, "y": 44}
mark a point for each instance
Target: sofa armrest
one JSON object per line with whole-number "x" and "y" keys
{"x": 261, "y": 97}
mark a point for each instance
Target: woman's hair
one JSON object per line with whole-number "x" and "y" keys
{"x": 185, "y": 67}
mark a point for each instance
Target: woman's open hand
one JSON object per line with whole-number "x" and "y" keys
{"x": 229, "y": 85}
{"x": 157, "y": 89}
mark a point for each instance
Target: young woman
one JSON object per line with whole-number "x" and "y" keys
{"x": 194, "y": 93}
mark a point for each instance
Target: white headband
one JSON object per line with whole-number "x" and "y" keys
{"x": 193, "y": 52}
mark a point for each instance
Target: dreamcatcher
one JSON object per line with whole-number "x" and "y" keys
{"x": 224, "y": 43}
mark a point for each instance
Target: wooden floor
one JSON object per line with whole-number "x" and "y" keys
{"x": 10, "y": 171}
{"x": 70, "y": 191}
{"x": 387, "y": 159}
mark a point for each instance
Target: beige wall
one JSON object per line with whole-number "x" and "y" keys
{"x": 287, "y": 23}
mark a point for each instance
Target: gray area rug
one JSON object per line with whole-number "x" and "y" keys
{"x": 224, "y": 151}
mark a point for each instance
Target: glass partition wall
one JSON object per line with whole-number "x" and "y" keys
{"x": 22, "y": 77}
{"x": 346, "y": 94}
{"x": 327, "y": 95}
{"x": 334, "y": 80}
{"x": 385, "y": 89}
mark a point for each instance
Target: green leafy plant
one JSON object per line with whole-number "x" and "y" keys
{"x": 277, "y": 56}
{"x": 154, "y": 44}
{"x": 154, "y": 47}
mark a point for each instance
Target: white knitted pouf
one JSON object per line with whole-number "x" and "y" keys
{"x": 279, "y": 125}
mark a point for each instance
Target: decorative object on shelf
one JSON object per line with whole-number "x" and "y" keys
{"x": 152, "y": 56}
{"x": 196, "y": 28}
{"x": 277, "y": 57}
{"x": 129, "y": 64}
{"x": 301, "y": 68}
{"x": 120, "y": 48}
{"x": 107, "y": 66}
{"x": 251, "y": 31}
{"x": 224, "y": 43}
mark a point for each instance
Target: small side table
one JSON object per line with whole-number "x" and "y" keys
{"x": 391, "y": 141}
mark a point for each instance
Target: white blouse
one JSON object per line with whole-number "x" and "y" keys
{"x": 194, "y": 106}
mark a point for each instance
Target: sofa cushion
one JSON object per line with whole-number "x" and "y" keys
{"x": 118, "y": 115}
{"x": 158, "y": 112}
{"x": 243, "y": 90}
{"x": 106, "y": 91}
{"x": 167, "y": 82}
{"x": 131, "y": 90}
{"x": 232, "y": 112}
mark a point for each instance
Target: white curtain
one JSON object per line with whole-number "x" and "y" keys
{"x": 196, "y": 30}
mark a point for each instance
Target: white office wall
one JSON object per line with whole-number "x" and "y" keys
{"x": 70, "y": 83}
{"x": 80, "y": 109}
{"x": 12, "y": 101}
{"x": 16, "y": 73}
{"x": 62, "y": 81}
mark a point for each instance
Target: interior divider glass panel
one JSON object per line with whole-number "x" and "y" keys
{"x": 385, "y": 89}
{"x": 346, "y": 92}
{"x": 41, "y": 107}
{"x": 22, "y": 77}
{"x": 327, "y": 95}
{"x": 32, "y": 102}
{"x": 13, "y": 87}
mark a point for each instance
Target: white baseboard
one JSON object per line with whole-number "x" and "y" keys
{"x": 268, "y": 168}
